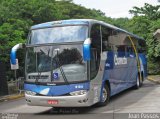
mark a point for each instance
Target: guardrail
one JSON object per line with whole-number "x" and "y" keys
{"x": 20, "y": 84}
{"x": 16, "y": 86}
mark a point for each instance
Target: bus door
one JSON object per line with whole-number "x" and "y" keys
{"x": 96, "y": 73}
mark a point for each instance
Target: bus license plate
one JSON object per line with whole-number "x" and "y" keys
{"x": 53, "y": 102}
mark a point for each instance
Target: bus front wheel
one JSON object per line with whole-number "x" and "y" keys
{"x": 105, "y": 96}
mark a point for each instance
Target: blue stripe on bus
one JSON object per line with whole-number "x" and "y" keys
{"x": 56, "y": 90}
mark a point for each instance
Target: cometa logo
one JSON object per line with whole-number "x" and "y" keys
{"x": 120, "y": 60}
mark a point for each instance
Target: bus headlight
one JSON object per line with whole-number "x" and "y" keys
{"x": 80, "y": 92}
{"x": 30, "y": 93}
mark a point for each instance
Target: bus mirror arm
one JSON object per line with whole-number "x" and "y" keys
{"x": 14, "y": 50}
{"x": 87, "y": 49}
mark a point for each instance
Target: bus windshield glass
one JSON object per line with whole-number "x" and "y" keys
{"x": 56, "y": 64}
{"x": 58, "y": 34}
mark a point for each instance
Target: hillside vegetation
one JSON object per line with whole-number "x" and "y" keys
{"x": 16, "y": 17}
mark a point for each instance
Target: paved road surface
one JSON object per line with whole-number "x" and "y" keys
{"x": 144, "y": 100}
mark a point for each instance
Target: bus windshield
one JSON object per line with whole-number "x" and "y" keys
{"x": 58, "y": 34}
{"x": 55, "y": 64}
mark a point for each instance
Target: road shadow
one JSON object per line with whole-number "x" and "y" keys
{"x": 68, "y": 110}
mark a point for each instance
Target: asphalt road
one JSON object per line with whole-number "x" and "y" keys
{"x": 144, "y": 100}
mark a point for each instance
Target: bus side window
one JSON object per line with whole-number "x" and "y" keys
{"x": 141, "y": 46}
{"x": 121, "y": 50}
{"x": 106, "y": 32}
{"x": 130, "y": 51}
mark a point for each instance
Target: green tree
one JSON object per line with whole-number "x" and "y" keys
{"x": 121, "y": 23}
{"x": 145, "y": 22}
{"x": 150, "y": 11}
{"x": 16, "y": 17}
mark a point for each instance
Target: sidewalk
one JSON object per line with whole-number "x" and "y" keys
{"x": 11, "y": 97}
{"x": 154, "y": 78}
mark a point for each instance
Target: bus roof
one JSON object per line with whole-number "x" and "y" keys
{"x": 80, "y": 22}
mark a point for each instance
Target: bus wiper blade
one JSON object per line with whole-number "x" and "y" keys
{"x": 60, "y": 67}
{"x": 37, "y": 78}
{"x": 63, "y": 74}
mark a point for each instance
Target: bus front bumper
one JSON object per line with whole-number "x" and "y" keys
{"x": 58, "y": 101}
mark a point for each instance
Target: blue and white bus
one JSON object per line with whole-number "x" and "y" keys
{"x": 80, "y": 62}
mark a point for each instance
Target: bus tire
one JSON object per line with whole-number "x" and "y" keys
{"x": 141, "y": 81}
{"x": 137, "y": 86}
{"x": 105, "y": 96}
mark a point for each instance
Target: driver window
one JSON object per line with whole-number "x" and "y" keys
{"x": 95, "y": 50}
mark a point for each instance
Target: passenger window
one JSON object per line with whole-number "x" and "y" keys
{"x": 106, "y": 32}
{"x": 130, "y": 51}
{"x": 141, "y": 46}
{"x": 121, "y": 50}
{"x": 118, "y": 39}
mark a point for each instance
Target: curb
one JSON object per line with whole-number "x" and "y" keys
{"x": 153, "y": 80}
{"x": 11, "y": 97}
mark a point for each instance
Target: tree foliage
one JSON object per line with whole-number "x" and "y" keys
{"x": 150, "y": 11}
{"x": 145, "y": 22}
{"x": 16, "y": 17}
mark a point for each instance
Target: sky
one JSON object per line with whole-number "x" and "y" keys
{"x": 115, "y": 8}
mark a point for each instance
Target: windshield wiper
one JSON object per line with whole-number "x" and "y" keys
{"x": 37, "y": 78}
{"x": 60, "y": 67}
{"x": 42, "y": 69}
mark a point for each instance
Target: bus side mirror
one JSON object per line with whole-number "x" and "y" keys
{"x": 13, "y": 52}
{"x": 87, "y": 49}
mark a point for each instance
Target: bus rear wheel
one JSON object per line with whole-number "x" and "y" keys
{"x": 137, "y": 83}
{"x": 142, "y": 79}
{"x": 105, "y": 96}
